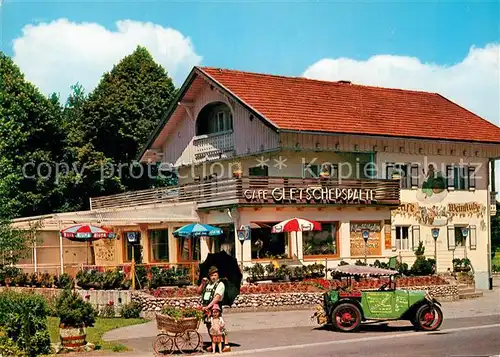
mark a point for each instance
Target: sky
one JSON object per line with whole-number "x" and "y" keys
{"x": 450, "y": 47}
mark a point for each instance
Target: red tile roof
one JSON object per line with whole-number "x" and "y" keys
{"x": 295, "y": 103}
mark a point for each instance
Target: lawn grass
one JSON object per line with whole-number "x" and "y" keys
{"x": 94, "y": 334}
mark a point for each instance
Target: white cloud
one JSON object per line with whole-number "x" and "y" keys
{"x": 473, "y": 83}
{"x": 56, "y": 55}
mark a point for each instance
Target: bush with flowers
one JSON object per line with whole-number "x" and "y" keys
{"x": 182, "y": 313}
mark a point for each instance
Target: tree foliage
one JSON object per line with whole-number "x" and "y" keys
{"x": 15, "y": 243}
{"x": 495, "y": 230}
{"x": 110, "y": 126}
{"x": 55, "y": 157}
{"x": 30, "y": 146}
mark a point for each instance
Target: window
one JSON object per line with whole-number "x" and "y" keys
{"x": 461, "y": 177}
{"x": 460, "y": 239}
{"x": 214, "y": 118}
{"x": 259, "y": 171}
{"x": 268, "y": 245}
{"x": 224, "y": 121}
{"x": 133, "y": 246}
{"x": 402, "y": 237}
{"x": 321, "y": 243}
{"x": 188, "y": 248}
{"x": 402, "y": 172}
{"x": 159, "y": 244}
{"x": 225, "y": 241}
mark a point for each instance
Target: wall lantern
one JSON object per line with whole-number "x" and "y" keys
{"x": 435, "y": 233}
{"x": 366, "y": 234}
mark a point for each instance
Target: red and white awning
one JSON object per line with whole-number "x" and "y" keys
{"x": 296, "y": 225}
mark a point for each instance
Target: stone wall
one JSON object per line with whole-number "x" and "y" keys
{"x": 276, "y": 301}
{"x": 98, "y": 298}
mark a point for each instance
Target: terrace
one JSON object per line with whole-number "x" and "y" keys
{"x": 262, "y": 190}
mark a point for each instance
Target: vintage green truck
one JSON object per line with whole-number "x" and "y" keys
{"x": 346, "y": 309}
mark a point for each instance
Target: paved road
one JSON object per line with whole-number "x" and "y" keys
{"x": 476, "y": 341}
{"x": 472, "y": 325}
{"x": 388, "y": 338}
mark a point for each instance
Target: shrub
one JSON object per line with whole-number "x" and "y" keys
{"x": 131, "y": 310}
{"x": 422, "y": 266}
{"x": 24, "y": 318}
{"x": 8, "y": 347}
{"x": 141, "y": 276}
{"x": 65, "y": 281}
{"x": 73, "y": 311}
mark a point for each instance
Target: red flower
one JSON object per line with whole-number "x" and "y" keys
{"x": 87, "y": 297}
{"x": 111, "y": 302}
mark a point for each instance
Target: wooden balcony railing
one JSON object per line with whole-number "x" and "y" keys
{"x": 262, "y": 190}
{"x": 213, "y": 145}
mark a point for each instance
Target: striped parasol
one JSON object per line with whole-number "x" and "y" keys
{"x": 296, "y": 225}
{"x": 85, "y": 233}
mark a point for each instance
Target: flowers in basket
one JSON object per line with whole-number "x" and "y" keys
{"x": 177, "y": 313}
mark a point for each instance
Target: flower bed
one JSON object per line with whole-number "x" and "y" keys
{"x": 98, "y": 278}
{"x": 257, "y": 299}
{"x": 305, "y": 286}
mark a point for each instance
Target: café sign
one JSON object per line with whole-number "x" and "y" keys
{"x": 318, "y": 194}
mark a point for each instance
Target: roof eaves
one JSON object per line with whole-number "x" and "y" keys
{"x": 315, "y": 132}
{"x": 230, "y": 93}
{"x": 168, "y": 113}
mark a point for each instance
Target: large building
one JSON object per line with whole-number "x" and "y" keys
{"x": 251, "y": 150}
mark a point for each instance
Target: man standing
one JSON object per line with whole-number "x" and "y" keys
{"x": 212, "y": 292}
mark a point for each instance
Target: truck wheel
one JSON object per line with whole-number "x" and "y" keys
{"x": 346, "y": 317}
{"x": 428, "y": 318}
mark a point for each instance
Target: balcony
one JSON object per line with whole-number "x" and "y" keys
{"x": 213, "y": 146}
{"x": 258, "y": 191}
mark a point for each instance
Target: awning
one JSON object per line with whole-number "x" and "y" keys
{"x": 159, "y": 213}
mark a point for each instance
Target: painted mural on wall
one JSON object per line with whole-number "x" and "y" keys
{"x": 441, "y": 215}
{"x": 104, "y": 250}
{"x": 373, "y": 245}
{"x": 434, "y": 188}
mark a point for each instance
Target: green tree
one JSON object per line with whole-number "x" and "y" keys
{"x": 30, "y": 147}
{"x": 110, "y": 126}
{"x": 495, "y": 230}
{"x": 15, "y": 243}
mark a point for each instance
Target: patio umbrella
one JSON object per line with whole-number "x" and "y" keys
{"x": 296, "y": 225}
{"x": 86, "y": 233}
{"x": 229, "y": 273}
{"x": 197, "y": 230}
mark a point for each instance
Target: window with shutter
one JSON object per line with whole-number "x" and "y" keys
{"x": 415, "y": 237}
{"x": 449, "y": 176}
{"x": 414, "y": 176}
{"x": 472, "y": 237}
{"x": 451, "y": 238}
{"x": 472, "y": 177}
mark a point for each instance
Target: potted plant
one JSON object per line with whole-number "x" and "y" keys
{"x": 75, "y": 315}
